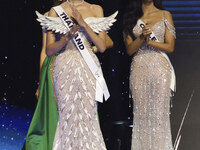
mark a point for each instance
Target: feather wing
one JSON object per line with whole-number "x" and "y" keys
{"x": 101, "y": 24}
{"x": 52, "y": 23}
{"x": 55, "y": 23}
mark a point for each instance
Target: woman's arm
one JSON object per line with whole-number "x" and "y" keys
{"x": 133, "y": 46}
{"x": 43, "y": 51}
{"x": 44, "y": 42}
{"x": 169, "y": 43}
{"x": 98, "y": 40}
{"x": 54, "y": 46}
{"x": 42, "y": 57}
{"x": 109, "y": 42}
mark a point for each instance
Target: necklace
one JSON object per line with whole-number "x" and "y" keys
{"x": 75, "y": 4}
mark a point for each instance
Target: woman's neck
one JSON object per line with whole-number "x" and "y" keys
{"x": 75, "y": 1}
{"x": 148, "y": 7}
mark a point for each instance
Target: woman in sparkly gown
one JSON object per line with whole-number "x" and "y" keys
{"x": 74, "y": 84}
{"x": 43, "y": 126}
{"x": 109, "y": 44}
{"x": 151, "y": 73}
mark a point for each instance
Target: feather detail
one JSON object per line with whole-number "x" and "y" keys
{"x": 96, "y": 24}
{"x": 51, "y": 23}
{"x": 101, "y": 24}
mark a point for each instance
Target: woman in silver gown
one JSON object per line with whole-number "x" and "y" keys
{"x": 74, "y": 84}
{"x": 151, "y": 73}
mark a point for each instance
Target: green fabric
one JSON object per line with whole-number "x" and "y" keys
{"x": 44, "y": 122}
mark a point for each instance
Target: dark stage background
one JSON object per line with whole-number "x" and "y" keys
{"x": 19, "y": 71}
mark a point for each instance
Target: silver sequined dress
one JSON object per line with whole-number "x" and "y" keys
{"x": 78, "y": 127}
{"x": 150, "y": 78}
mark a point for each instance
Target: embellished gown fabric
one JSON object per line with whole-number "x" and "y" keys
{"x": 78, "y": 127}
{"x": 150, "y": 78}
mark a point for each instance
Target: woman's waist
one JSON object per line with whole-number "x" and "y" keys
{"x": 146, "y": 47}
{"x": 149, "y": 56}
{"x": 148, "y": 53}
{"x": 73, "y": 47}
{"x": 73, "y": 54}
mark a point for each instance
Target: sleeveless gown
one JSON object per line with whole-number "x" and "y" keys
{"x": 78, "y": 127}
{"x": 150, "y": 78}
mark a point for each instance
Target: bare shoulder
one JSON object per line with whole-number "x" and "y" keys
{"x": 64, "y": 5}
{"x": 52, "y": 13}
{"x": 97, "y": 10}
{"x": 46, "y": 13}
{"x": 96, "y": 7}
{"x": 168, "y": 16}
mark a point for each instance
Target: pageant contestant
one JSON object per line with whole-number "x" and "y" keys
{"x": 43, "y": 56}
{"x": 77, "y": 79}
{"x": 150, "y": 34}
{"x": 74, "y": 84}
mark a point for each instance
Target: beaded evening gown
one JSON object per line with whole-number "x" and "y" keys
{"x": 150, "y": 78}
{"x": 78, "y": 127}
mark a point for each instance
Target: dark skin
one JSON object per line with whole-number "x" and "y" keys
{"x": 151, "y": 16}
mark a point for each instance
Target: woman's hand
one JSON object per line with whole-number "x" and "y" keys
{"x": 98, "y": 40}
{"x": 146, "y": 31}
{"x": 73, "y": 31}
{"x": 37, "y": 92}
{"x": 169, "y": 42}
{"x": 77, "y": 16}
{"x": 133, "y": 46}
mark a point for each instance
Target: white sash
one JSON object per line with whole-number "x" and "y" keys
{"x": 101, "y": 87}
{"x": 154, "y": 38}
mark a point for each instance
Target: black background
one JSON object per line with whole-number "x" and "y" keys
{"x": 21, "y": 38}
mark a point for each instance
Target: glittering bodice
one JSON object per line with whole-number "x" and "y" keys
{"x": 148, "y": 55}
{"x": 158, "y": 29}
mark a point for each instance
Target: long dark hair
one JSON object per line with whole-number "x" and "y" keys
{"x": 133, "y": 13}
